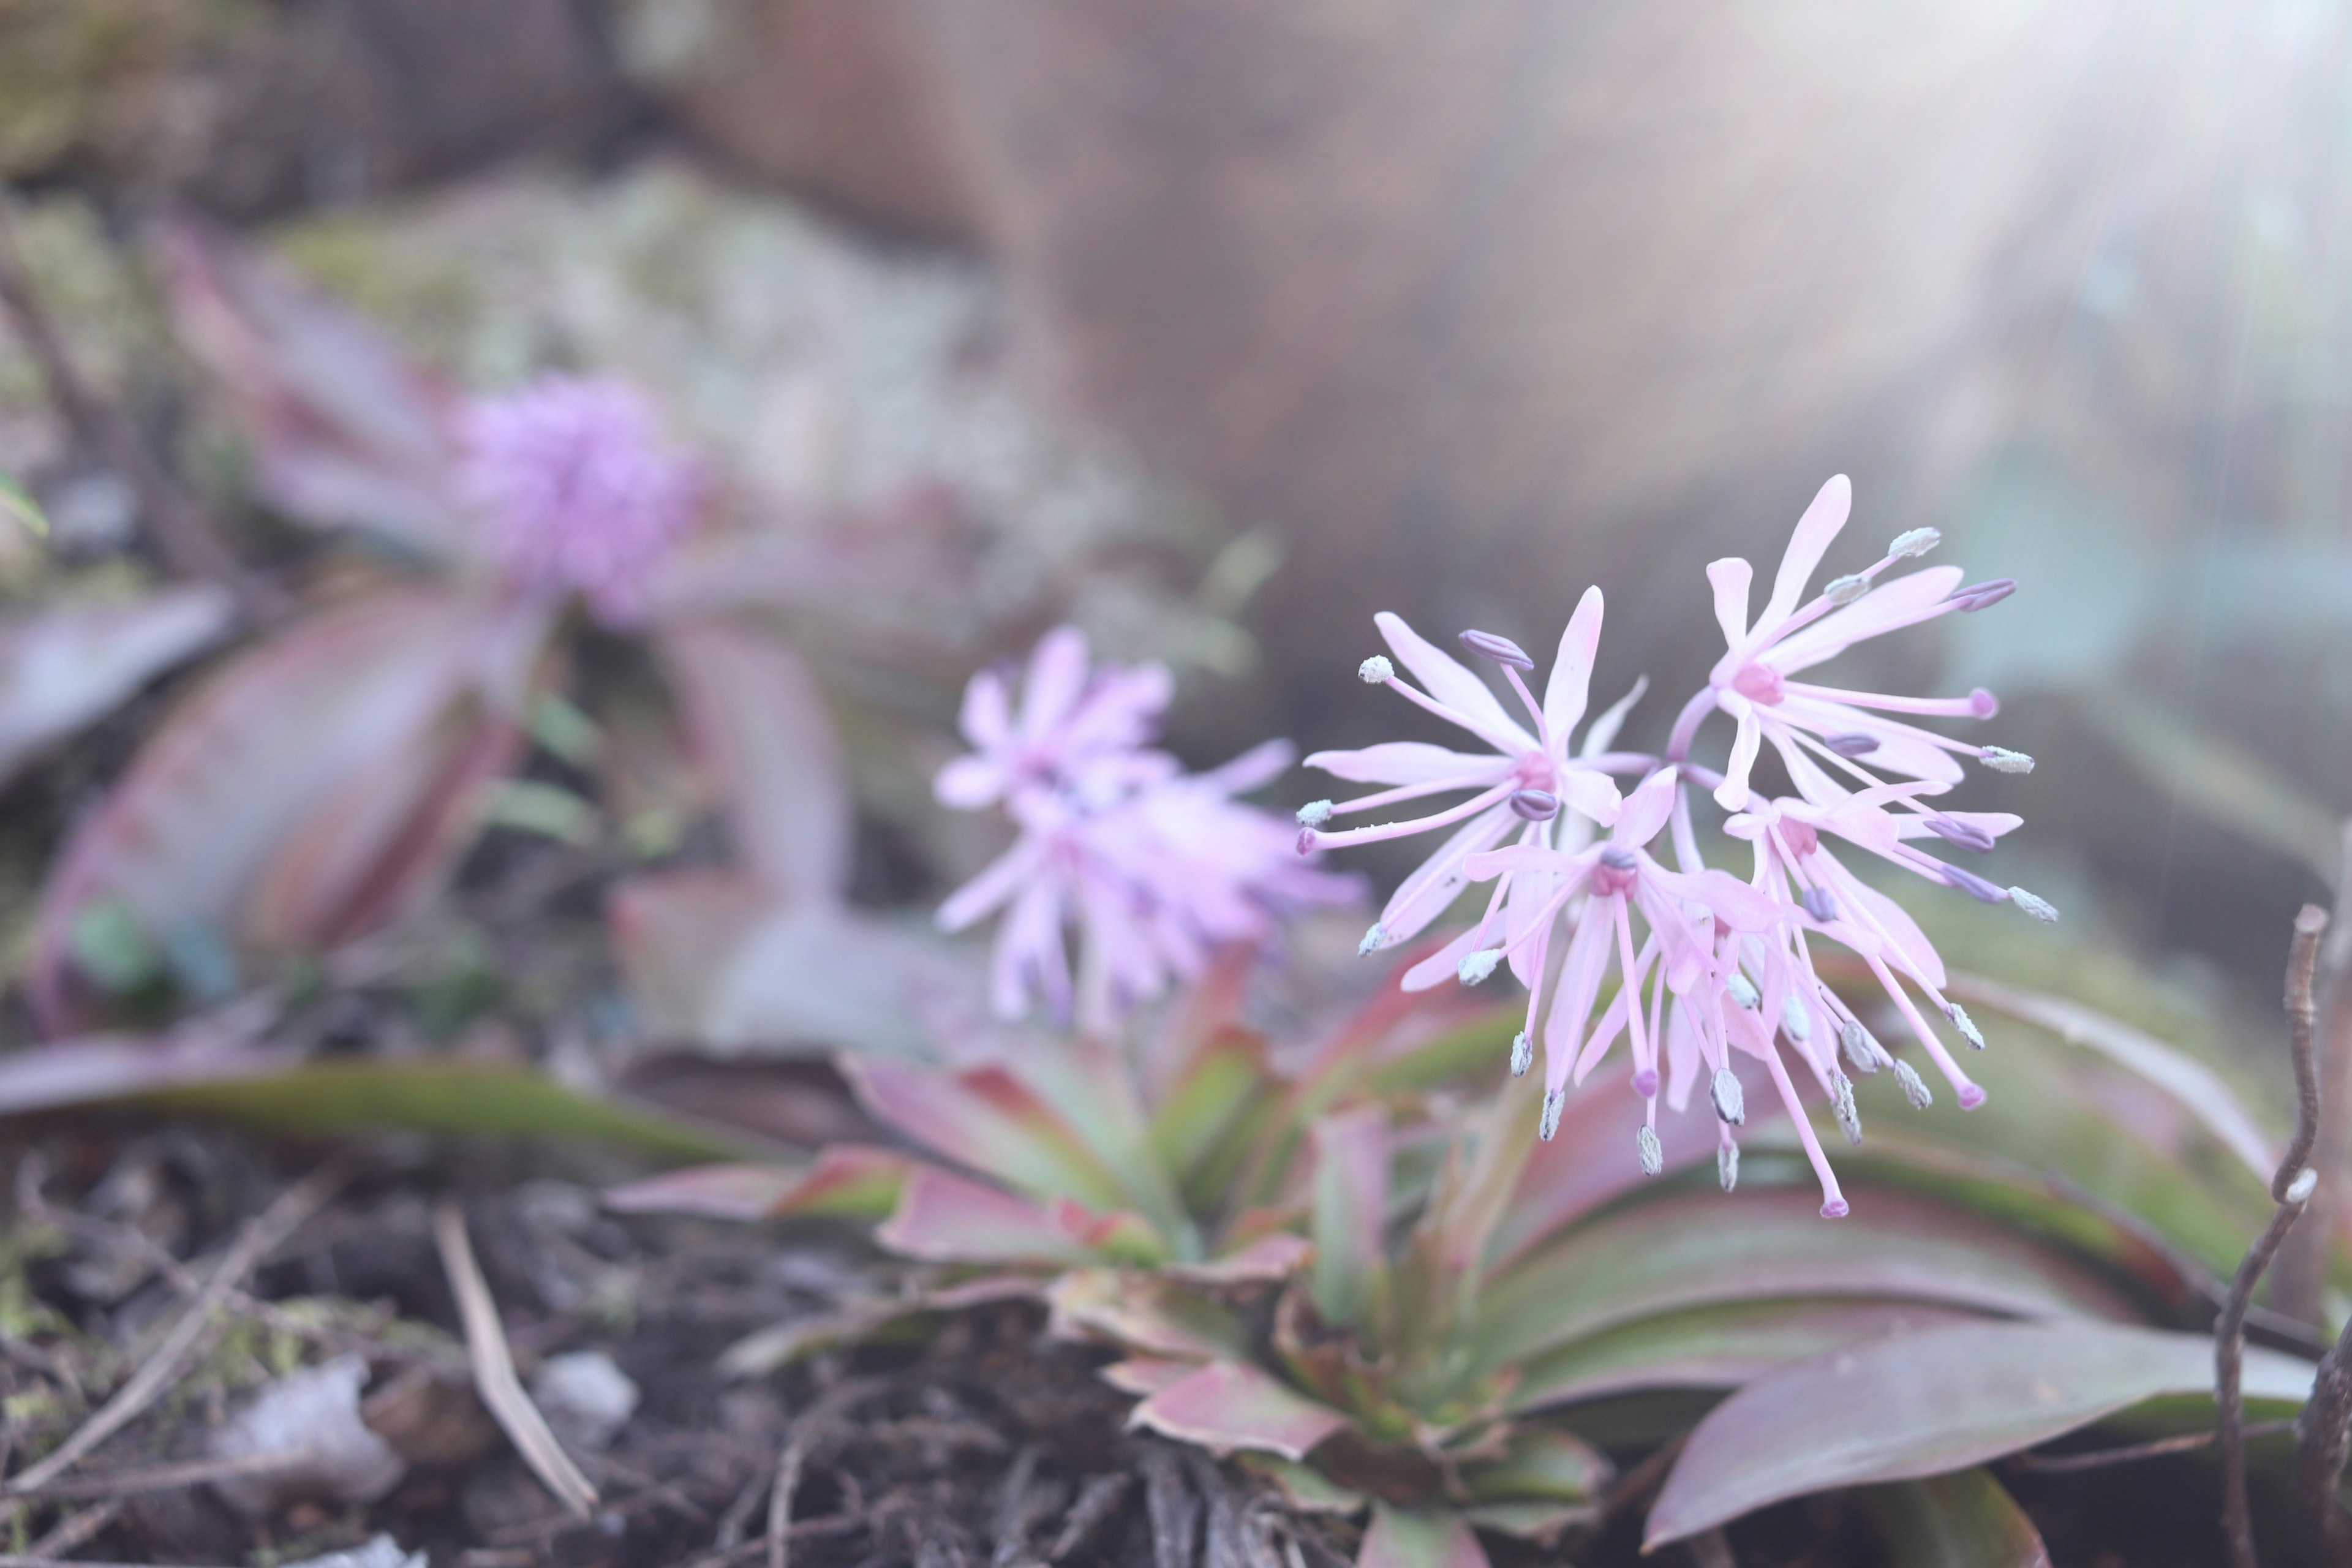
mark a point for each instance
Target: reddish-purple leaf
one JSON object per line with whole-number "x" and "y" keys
{"x": 716, "y": 958}
{"x": 1419, "y": 1538}
{"x": 70, "y": 666}
{"x": 1144, "y": 1314}
{"x": 947, "y": 1218}
{"x": 1263, "y": 1261}
{"x": 314, "y": 785}
{"x": 986, "y": 1119}
{"x": 760, "y": 727}
{"x": 346, "y": 431}
{"x": 1144, "y": 1375}
{"x": 1228, "y": 1405}
{"x": 848, "y": 1180}
{"x": 1921, "y": 1405}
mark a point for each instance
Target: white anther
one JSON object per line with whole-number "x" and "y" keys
{"x": 1796, "y": 1020}
{"x": 1374, "y": 939}
{"x": 1730, "y": 1101}
{"x": 1845, "y": 590}
{"x": 1550, "y": 1122}
{"x": 1376, "y": 670}
{"x": 2299, "y": 1191}
{"x": 1965, "y": 1024}
{"x": 1475, "y": 966}
{"x": 1726, "y": 1166}
{"x": 1314, "y": 813}
{"x": 1917, "y": 541}
{"x": 1849, "y": 1115}
{"x": 1743, "y": 991}
{"x": 1859, "y": 1048}
{"x": 2034, "y": 904}
{"x": 1653, "y": 1155}
{"x": 2001, "y": 759}
{"x": 1914, "y": 1089}
{"x": 1523, "y": 1054}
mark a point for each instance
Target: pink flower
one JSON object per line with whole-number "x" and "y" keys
{"x": 1601, "y": 889}
{"x": 1527, "y": 785}
{"x": 1813, "y": 727}
{"x": 1155, "y": 868}
{"x": 1072, "y": 718}
{"x": 579, "y": 491}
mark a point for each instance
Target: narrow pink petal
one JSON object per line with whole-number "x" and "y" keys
{"x": 1572, "y": 669}
{"x": 1445, "y": 965}
{"x": 1815, "y": 530}
{"x": 1603, "y": 734}
{"x": 1887, "y": 607}
{"x": 1731, "y": 577}
{"x": 1410, "y": 763}
{"x": 1572, "y": 1002}
{"x": 1902, "y": 748}
{"x": 976, "y": 899}
{"x": 1424, "y": 895}
{"x": 1453, "y": 685}
{"x": 1646, "y": 811}
{"x": 987, "y": 717}
{"x": 1057, "y": 674}
{"x": 1732, "y": 793}
{"x": 1592, "y": 792}
{"x": 1488, "y": 863}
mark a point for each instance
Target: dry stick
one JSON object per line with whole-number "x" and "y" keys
{"x": 2292, "y": 1187}
{"x": 805, "y": 1430}
{"x": 181, "y": 532}
{"x": 181, "y": 1345}
{"x": 75, "y": 1530}
{"x": 2100, "y": 1458}
{"x": 494, "y": 1371}
{"x": 2299, "y": 1281}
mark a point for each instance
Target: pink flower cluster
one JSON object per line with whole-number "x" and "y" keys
{"x": 579, "y": 491}
{"x": 1155, "y": 868}
{"x": 1707, "y": 963}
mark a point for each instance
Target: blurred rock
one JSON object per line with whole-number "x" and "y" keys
{"x": 586, "y": 1398}
{"x": 312, "y": 1419}
{"x": 380, "y": 1552}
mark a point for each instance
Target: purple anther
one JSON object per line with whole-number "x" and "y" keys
{"x": 1982, "y": 595}
{"x": 1974, "y": 886}
{"x": 1819, "y": 904}
{"x": 1502, "y": 650}
{"x": 1618, "y": 859}
{"x": 1966, "y": 835}
{"x": 1534, "y": 804}
{"x": 1852, "y": 743}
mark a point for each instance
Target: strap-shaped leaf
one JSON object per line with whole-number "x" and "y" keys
{"x": 1230, "y": 1406}
{"x": 1925, "y": 1404}
{"x": 1964, "y": 1520}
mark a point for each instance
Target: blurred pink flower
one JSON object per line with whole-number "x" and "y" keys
{"x": 1526, "y": 785}
{"x": 1816, "y": 728}
{"x": 1600, "y": 889}
{"x": 1155, "y": 868}
{"x": 579, "y": 491}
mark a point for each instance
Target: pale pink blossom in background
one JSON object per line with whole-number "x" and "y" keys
{"x": 1529, "y": 787}
{"x": 579, "y": 491}
{"x": 1822, "y": 730}
{"x": 1152, "y": 868}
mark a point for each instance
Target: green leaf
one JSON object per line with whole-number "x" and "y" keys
{"x": 1540, "y": 1462}
{"x": 1350, "y": 1219}
{"x": 1922, "y": 1405}
{"x": 1715, "y": 1347}
{"x": 18, "y": 505}
{"x": 1419, "y": 1538}
{"x": 1144, "y": 1315}
{"x": 550, "y": 811}
{"x": 987, "y": 1119}
{"x": 330, "y": 1097}
{"x": 849, "y": 1181}
{"x": 563, "y": 730}
{"x": 1696, "y": 1249}
{"x": 1960, "y": 1520}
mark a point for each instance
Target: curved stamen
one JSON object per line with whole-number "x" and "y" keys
{"x": 1317, "y": 838}
{"x": 1978, "y": 704}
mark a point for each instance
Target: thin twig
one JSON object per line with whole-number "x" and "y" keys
{"x": 74, "y": 1531}
{"x": 2100, "y": 1458}
{"x": 806, "y": 1429}
{"x": 181, "y": 1344}
{"x": 17, "y": 1560}
{"x": 2299, "y": 1281}
{"x": 182, "y": 534}
{"x": 494, "y": 1371}
{"x": 116, "y": 1484}
{"x": 2293, "y": 1187}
